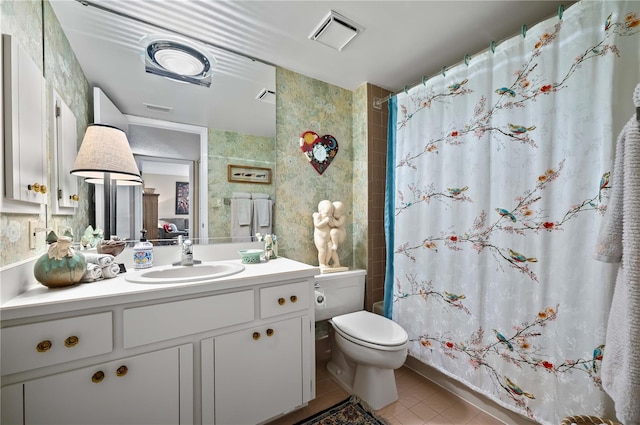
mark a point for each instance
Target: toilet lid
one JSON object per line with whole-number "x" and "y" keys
{"x": 371, "y": 328}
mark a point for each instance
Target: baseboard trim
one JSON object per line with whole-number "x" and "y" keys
{"x": 480, "y": 401}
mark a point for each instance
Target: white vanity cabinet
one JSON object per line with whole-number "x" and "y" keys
{"x": 143, "y": 389}
{"x": 114, "y": 392}
{"x": 255, "y": 374}
{"x": 233, "y": 351}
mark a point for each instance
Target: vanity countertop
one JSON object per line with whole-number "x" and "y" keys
{"x": 40, "y": 300}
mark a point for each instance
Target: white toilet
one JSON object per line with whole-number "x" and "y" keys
{"x": 365, "y": 347}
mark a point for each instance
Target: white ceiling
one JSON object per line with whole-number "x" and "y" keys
{"x": 402, "y": 42}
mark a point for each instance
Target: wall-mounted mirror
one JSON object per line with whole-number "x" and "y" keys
{"x": 110, "y": 48}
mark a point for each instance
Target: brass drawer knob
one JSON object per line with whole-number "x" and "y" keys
{"x": 97, "y": 377}
{"x": 270, "y": 332}
{"x": 37, "y": 187}
{"x": 293, "y": 298}
{"x": 72, "y": 341}
{"x": 43, "y": 346}
{"x": 122, "y": 370}
{"x": 281, "y": 301}
{"x": 256, "y": 336}
{"x": 74, "y": 197}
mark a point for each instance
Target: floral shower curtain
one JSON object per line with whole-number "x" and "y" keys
{"x": 498, "y": 179}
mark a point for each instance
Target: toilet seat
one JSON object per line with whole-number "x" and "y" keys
{"x": 371, "y": 330}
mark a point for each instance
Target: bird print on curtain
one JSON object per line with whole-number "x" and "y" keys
{"x": 498, "y": 190}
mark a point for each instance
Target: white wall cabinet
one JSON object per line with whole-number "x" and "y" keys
{"x": 239, "y": 355}
{"x": 64, "y": 150}
{"x": 24, "y": 95}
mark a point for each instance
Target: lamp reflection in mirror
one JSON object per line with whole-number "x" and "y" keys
{"x": 104, "y": 157}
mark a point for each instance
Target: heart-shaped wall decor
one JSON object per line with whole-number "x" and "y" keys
{"x": 320, "y": 151}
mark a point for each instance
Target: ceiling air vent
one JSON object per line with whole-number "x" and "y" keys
{"x": 157, "y": 108}
{"x": 336, "y": 31}
{"x": 267, "y": 96}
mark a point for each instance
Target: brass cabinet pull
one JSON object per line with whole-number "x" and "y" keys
{"x": 74, "y": 197}
{"x": 256, "y": 335}
{"x": 122, "y": 370}
{"x": 293, "y": 298}
{"x": 270, "y": 332}
{"x": 72, "y": 341}
{"x": 281, "y": 301}
{"x": 97, "y": 377}
{"x": 43, "y": 346}
{"x": 37, "y": 187}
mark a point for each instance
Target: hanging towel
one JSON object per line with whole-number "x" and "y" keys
{"x": 262, "y": 209}
{"x": 241, "y": 220}
{"x": 102, "y": 260}
{"x": 619, "y": 242}
{"x": 242, "y": 209}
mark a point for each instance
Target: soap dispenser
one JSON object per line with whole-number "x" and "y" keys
{"x": 143, "y": 252}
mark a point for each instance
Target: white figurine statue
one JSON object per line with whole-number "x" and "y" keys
{"x": 329, "y": 233}
{"x": 322, "y": 231}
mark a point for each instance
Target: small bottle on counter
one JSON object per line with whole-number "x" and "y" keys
{"x": 143, "y": 252}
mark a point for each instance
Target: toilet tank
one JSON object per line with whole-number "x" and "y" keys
{"x": 343, "y": 293}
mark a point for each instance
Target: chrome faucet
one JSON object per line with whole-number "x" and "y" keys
{"x": 187, "y": 254}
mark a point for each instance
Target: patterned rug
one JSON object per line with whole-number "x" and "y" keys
{"x": 351, "y": 411}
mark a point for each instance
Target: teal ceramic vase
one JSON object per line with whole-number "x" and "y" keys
{"x": 61, "y": 266}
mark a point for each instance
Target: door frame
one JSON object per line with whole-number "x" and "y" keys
{"x": 201, "y": 215}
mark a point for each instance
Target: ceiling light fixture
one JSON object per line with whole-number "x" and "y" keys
{"x": 177, "y": 59}
{"x": 336, "y": 31}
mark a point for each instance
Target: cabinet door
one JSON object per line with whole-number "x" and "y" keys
{"x": 258, "y": 373}
{"x": 11, "y": 405}
{"x": 25, "y": 137}
{"x": 144, "y": 389}
{"x": 64, "y": 150}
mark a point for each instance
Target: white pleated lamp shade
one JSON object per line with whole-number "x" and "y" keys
{"x": 105, "y": 149}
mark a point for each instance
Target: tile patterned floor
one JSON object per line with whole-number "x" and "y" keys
{"x": 420, "y": 402}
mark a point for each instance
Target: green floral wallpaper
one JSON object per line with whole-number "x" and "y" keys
{"x": 360, "y": 177}
{"x": 302, "y": 104}
{"x": 226, "y": 148}
{"x": 24, "y": 21}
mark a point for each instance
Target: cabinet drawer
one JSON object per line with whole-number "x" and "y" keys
{"x": 159, "y": 322}
{"x": 284, "y": 299}
{"x": 42, "y": 344}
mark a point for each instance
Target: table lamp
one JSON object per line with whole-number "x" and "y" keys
{"x": 105, "y": 157}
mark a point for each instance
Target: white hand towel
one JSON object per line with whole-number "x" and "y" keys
{"x": 110, "y": 271}
{"x": 102, "y": 260}
{"x": 241, "y": 220}
{"x": 241, "y": 208}
{"x": 93, "y": 273}
{"x": 262, "y": 211}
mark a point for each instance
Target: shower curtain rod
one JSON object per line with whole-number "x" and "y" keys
{"x": 378, "y": 101}
{"x": 161, "y": 27}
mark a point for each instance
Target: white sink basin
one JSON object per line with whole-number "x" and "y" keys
{"x": 181, "y": 274}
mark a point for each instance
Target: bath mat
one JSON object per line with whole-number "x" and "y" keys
{"x": 351, "y": 411}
